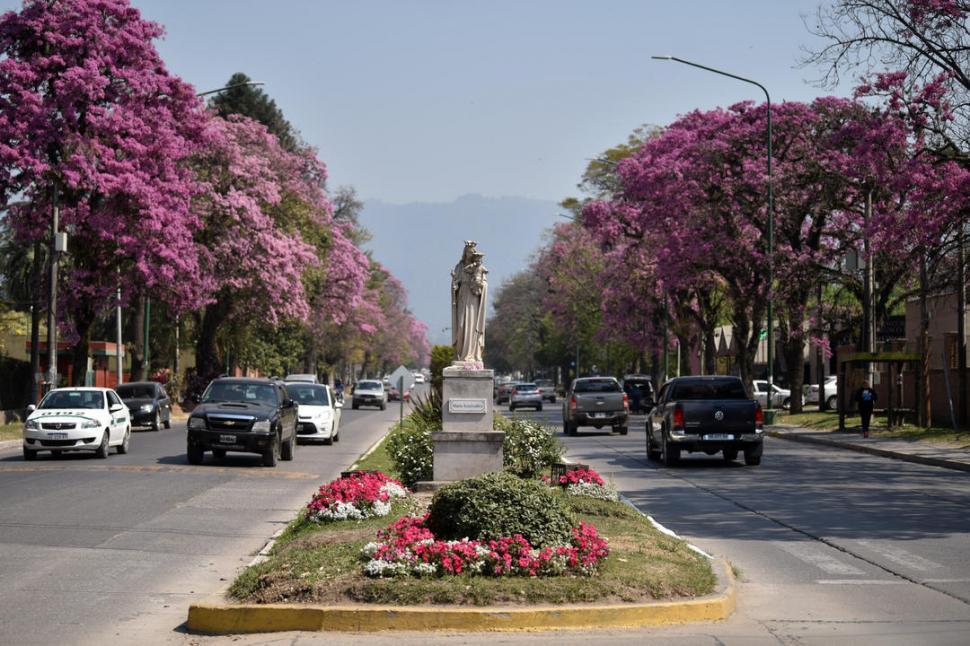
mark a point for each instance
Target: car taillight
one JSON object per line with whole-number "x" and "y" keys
{"x": 572, "y": 403}
{"x": 626, "y": 402}
{"x": 759, "y": 417}
{"x": 678, "y": 418}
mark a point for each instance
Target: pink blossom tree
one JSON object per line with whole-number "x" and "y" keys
{"x": 88, "y": 112}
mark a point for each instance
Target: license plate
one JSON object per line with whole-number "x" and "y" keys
{"x": 599, "y": 414}
{"x": 719, "y": 436}
{"x": 57, "y": 436}
{"x": 227, "y": 439}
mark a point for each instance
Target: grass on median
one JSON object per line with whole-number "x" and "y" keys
{"x": 829, "y": 421}
{"x": 13, "y": 431}
{"x": 321, "y": 564}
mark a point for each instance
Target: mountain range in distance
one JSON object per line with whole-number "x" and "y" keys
{"x": 420, "y": 243}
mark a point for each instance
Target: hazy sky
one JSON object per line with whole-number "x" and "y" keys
{"x": 427, "y": 101}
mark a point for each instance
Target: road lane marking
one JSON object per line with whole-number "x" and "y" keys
{"x": 862, "y": 582}
{"x": 818, "y": 557}
{"x": 162, "y": 468}
{"x": 900, "y": 556}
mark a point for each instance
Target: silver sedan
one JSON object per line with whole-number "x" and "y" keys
{"x": 527, "y": 395}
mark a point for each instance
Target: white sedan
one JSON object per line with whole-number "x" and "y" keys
{"x": 318, "y": 412}
{"x": 77, "y": 419}
{"x": 780, "y": 398}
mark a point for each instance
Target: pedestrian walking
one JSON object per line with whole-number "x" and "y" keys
{"x": 866, "y": 398}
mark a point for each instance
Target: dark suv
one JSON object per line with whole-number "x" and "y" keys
{"x": 246, "y": 415}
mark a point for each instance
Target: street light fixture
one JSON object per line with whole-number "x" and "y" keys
{"x": 229, "y": 87}
{"x": 771, "y": 217}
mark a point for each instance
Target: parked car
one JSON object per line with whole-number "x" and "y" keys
{"x": 369, "y": 393}
{"x": 781, "y": 397}
{"x": 597, "y": 402}
{"x": 246, "y": 415}
{"x": 394, "y": 395}
{"x": 705, "y": 414}
{"x": 548, "y": 389}
{"x": 525, "y": 395}
{"x": 77, "y": 419}
{"x": 318, "y": 412}
{"x": 639, "y": 388}
{"x": 148, "y": 404}
{"x": 831, "y": 398}
{"x": 418, "y": 378}
{"x": 301, "y": 378}
{"x": 504, "y": 392}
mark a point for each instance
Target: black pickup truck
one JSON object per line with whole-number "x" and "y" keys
{"x": 247, "y": 415}
{"x": 705, "y": 414}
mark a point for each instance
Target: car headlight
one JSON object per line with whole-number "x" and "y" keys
{"x": 90, "y": 423}
{"x": 261, "y": 426}
{"x": 146, "y": 408}
{"x": 32, "y": 424}
{"x": 196, "y": 423}
{"x": 324, "y": 414}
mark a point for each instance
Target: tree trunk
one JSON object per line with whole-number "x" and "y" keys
{"x": 36, "y": 299}
{"x": 794, "y": 349}
{"x": 84, "y": 321}
{"x": 208, "y": 361}
{"x": 136, "y": 333}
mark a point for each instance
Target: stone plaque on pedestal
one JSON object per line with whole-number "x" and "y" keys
{"x": 467, "y": 445}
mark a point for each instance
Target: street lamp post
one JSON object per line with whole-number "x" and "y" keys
{"x": 771, "y": 218}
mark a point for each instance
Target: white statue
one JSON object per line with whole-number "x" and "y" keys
{"x": 469, "y": 287}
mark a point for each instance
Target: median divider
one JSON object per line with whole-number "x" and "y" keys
{"x": 220, "y": 617}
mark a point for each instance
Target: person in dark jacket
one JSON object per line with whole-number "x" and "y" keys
{"x": 866, "y": 398}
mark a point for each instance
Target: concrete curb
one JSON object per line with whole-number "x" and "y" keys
{"x": 872, "y": 450}
{"x": 222, "y": 618}
{"x": 10, "y": 444}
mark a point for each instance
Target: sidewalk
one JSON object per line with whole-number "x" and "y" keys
{"x": 937, "y": 455}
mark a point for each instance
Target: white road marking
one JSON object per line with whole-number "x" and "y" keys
{"x": 944, "y": 580}
{"x": 862, "y": 582}
{"x": 900, "y": 556}
{"x": 817, "y": 556}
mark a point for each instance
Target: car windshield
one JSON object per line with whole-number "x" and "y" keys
{"x": 136, "y": 391}
{"x": 369, "y": 385}
{"x": 710, "y": 389}
{"x": 544, "y": 383}
{"x": 88, "y": 399}
{"x": 235, "y": 391}
{"x": 639, "y": 388}
{"x": 309, "y": 395}
{"x": 524, "y": 388}
{"x": 597, "y": 386}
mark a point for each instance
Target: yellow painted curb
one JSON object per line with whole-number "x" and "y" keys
{"x": 255, "y": 618}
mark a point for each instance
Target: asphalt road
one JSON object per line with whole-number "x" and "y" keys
{"x": 113, "y": 551}
{"x": 832, "y": 546}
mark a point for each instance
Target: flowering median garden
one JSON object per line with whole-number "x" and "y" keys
{"x": 499, "y": 538}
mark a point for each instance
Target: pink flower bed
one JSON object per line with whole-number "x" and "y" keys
{"x": 578, "y": 476}
{"x": 358, "y": 496}
{"x": 409, "y": 548}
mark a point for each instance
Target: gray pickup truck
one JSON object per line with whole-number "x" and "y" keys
{"x": 597, "y": 402}
{"x": 705, "y": 414}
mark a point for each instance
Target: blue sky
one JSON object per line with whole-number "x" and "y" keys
{"x": 428, "y": 101}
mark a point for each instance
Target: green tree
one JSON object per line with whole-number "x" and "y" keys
{"x": 250, "y": 101}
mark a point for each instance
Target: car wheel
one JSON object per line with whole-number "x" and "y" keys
{"x": 355, "y": 406}
{"x": 196, "y": 454}
{"x": 653, "y": 453}
{"x": 103, "y": 449}
{"x": 832, "y": 402}
{"x": 336, "y": 438}
{"x": 168, "y": 421}
{"x": 573, "y": 429}
{"x": 669, "y": 455}
{"x": 511, "y": 408}
{"x": 156, "y": 421}
{"x": 539, "y": 408}
{"x": 286, "y": 451}
{"x": 123, "y": 447}
{"x": 730, "y": 455}
{"x": 786, "y": 403}
{"x": 272, "y": 454}
{"x": 624, "y": 430}
{"x": 29, "y": 454}
{"x": 552, "y": 401}
{"x": 752, "y": 458}
{"x": 219, "y": 454}
{"x": 383, "y": 406}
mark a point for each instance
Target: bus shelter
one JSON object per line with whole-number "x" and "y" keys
{"x": 852, "y": 371}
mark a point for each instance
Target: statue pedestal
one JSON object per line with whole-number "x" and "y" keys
{"x": 467, "y": 445}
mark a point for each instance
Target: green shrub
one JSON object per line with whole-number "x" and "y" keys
{"x": 528, "y": 447}
{"x": 496, "y": 505}
{"x": 412, "y": 450}
{"x": 441, "y": 358}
